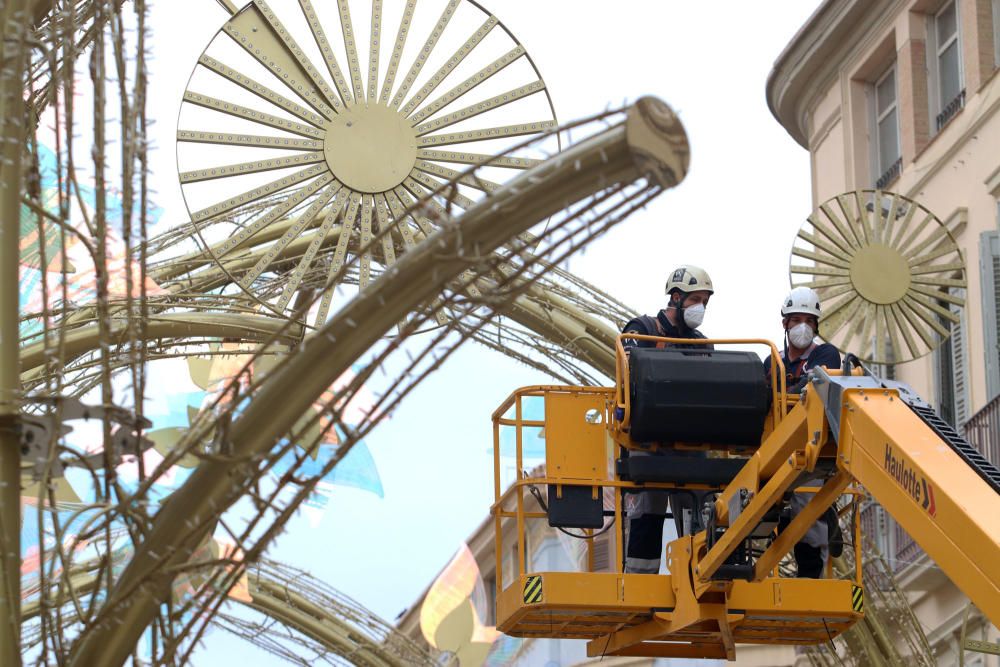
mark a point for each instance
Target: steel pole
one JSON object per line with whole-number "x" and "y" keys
{"x": 15, "y": 23}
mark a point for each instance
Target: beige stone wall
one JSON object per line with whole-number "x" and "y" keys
{"x": 955, "y": 173}
{"x": 948, "y": 172}
{"x": 828, "y": 160}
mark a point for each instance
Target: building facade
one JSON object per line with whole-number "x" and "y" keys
{"x": 903, "y": 95}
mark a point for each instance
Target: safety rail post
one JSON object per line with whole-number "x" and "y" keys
{"x": 858, "y": 570}
{"x": 620, "y": 534}
{"x": 519, "y": 458}
{"x": 497, "y": 518}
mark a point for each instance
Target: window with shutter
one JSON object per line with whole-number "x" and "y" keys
{"x": 989, "y": 275}
{"x": 945, "y": 65}
{"x": 885, "y": 129}
{"x": 960, "y": 365}
{"x": 996, "y": 32}
{"x": 951, "y": 365}
{"x": 490, "y": 586}
{"x": 944, "y": 387}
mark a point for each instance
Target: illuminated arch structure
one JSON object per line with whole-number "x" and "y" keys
{"x": 452, "y": 246}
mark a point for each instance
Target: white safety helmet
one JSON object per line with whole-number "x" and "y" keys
{"x": 801, "y": 300}
{"x": 689, "y": 278}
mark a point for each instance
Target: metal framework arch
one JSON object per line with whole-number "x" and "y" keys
{"x": 648, "y": 146}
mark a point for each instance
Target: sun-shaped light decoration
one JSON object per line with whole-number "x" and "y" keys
{"x": 888, "y": 270}
{"x": 294, "y": 152}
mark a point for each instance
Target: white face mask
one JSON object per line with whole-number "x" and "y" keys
{"x": 694, "y": 315}
{"x": 801, "y": 335}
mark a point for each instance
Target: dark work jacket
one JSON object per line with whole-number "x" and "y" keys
{"x": 796, "y": 371}
{"x": 646, "y": 325}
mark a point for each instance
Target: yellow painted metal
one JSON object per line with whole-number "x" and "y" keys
{"x": 575, "y": 445}
{"x": 798, "y": 527}
{"x": 605, "y": 594}
{"x": 926, "y": 487}
{"x": 674, "y": 615}
{"x": 769, "y": 494}
{"x": 519, "y": 461}
{"x": 879, "y": 442}
{"x": 600, "y": 604}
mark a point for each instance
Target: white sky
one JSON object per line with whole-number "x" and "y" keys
{"x": 736, "y": 215}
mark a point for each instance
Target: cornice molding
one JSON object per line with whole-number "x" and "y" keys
{"x": 813, "y": 57}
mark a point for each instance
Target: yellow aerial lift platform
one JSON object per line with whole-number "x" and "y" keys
{"x": 709, "y": 421}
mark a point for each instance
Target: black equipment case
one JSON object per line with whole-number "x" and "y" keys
{"x": 697, "y": 396}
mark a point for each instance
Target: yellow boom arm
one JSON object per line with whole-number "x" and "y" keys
{"x": 936, "y": 485}
{"x": 939, "y": 489}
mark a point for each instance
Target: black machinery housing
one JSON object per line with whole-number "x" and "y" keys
{"x": 697, "y": 396}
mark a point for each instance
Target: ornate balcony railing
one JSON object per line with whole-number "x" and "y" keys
{"x": 951, "y": 109}
{"x": 983, "y": 431}
{"x": 890, "y": 174}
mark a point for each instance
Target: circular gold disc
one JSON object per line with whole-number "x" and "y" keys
{"x": 889, "y": 273}
{"x": 370, "y": 148}
{"x": 315, "y": 160}
{"x": 880, "y": 274}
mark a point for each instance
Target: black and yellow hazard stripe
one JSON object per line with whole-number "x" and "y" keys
{"x": 858, "y": 599}
{"x": 533, "y": 590}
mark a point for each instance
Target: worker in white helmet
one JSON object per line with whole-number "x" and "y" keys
{"x": 688, "y": 291}
{"x": 800, "y": 316}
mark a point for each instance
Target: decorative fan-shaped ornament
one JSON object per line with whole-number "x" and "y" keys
{"x": 889, "y": 272}
{"x": 299, "y": 140}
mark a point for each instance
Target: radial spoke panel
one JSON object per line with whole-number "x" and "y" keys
{"x": 327, "y": 113}
{"x": 890, "y": 274}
